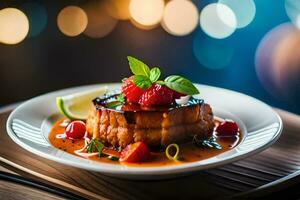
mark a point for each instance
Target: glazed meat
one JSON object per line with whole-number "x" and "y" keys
{"x": 155, "y": 126}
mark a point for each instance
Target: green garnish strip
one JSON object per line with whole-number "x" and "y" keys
{"x": 113, "y": 158}
{"x": 211, "y": 142}
{"x": 169, "y": 147}
{"x": 95, "y": 145}
{"x": 144, "y": 77}
{"x": 120, "y": 100}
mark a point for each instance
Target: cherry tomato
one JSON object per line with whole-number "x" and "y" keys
{"x": 75, "y": 130}
{"x": 227, "y": 128}
{"x": 136, "y": 152}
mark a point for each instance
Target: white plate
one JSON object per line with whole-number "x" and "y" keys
{"x": 29, "y": 124}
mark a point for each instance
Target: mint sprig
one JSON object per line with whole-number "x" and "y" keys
{"x": 154, "y": 74}
{"x": 144, "y": 77}
{"x": 142, "y": 81}
{"x": 138, "y": 67}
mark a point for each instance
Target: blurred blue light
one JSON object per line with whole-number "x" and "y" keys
{"x": 37, "y": 16}
{"x": 212, "y": 53}
{"x": 292, "y": 8}
{"x": 244, "y": 10}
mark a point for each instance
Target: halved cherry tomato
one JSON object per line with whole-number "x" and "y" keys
{"x": 75, "y": 130}
{"x": 136, "y": 152}
{"x": 227, "y": 128}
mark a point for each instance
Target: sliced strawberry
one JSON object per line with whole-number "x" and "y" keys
{"x": 136, "y": 152}
{"x": 157, "y": 95}
{"x": 132, "y": 92}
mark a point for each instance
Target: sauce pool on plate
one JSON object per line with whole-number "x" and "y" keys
{"x": 189, "y": 152}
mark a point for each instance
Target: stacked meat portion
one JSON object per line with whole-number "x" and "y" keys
{"x": 155, "y": 127}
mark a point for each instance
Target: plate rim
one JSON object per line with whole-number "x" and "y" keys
{"x": 127, "y": 171}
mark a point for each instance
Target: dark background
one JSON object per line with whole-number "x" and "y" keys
{"x": 51, "y": 60}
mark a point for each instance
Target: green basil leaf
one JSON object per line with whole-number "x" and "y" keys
{"x": 160, "y": 82}
{"x": 141, "y": 81}
{"x": 138, "y": 67}
{"x": 154, "y": 74}
{"x": 181, "y": 85}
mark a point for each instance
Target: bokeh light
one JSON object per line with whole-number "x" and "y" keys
{"x": 146, "y": 13}
{"x": 72, "y": 20}
{"x": 292, "y": 8}
{"x": 278, "y": 62}
{"x": 37, "y": 16}
{"x": 244, "y": 10}
{"x": 180, "y": 17}
{"x": 218, "y": 20}
{"x": 101, "y": 23}
{"x": 298, "y": 21}
{"x": 212, "y": 53}
{"x": 14, "y": 26}
{"x": 119, "y": 9}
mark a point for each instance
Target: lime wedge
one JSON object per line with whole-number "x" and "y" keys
{"x": 76, "y": 106}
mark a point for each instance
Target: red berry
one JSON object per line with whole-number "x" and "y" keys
{"x": 75, "y": 130}
{"x": 157, "y": 95}
{"x": 177, "y": 95}
{"x": 132, "y": 92}
{"x": 136, "y": 152}
{"x": 227, "y": 128}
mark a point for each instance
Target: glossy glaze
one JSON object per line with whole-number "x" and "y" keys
{"x": 109, "y": 101}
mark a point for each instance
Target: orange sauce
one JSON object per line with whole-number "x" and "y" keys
{"x": 188, "y": 152}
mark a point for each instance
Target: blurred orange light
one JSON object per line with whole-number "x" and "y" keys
{"x": 101, "y": 23}
{"x": 14, "y": 26}
{"x": 119, "y": 9}
{"x": 277, "y": 62}
{"x": 180, "y": 17}
{"x": 72, "y": 20}
{"x": 146, "y": 12}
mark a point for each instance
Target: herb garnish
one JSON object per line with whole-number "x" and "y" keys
{"x": 118, "y": 101}
{"x": 154, "y": 74}
{"x": 172, "y": 156}
{"x": 142, "y": 81}
{"x": 138, "y": 67}
{"x": 121, "y": 98}
{"x": 95, "y": 145}
{"x": 144, "y": 77}
{"x": 113, "y": 158}
{"x": 211, "y": 142}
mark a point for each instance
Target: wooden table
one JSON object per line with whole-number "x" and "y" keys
{"x": 26, "y": 176}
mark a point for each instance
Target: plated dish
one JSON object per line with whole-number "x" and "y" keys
{"x": 148, "y": 122}
{"x": 104, "y": 128}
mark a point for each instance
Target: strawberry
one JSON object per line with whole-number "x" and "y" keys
{"x": 157, "y": 95}
{"x": 132, "y": 92}
{"x": 177, "y": 95}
